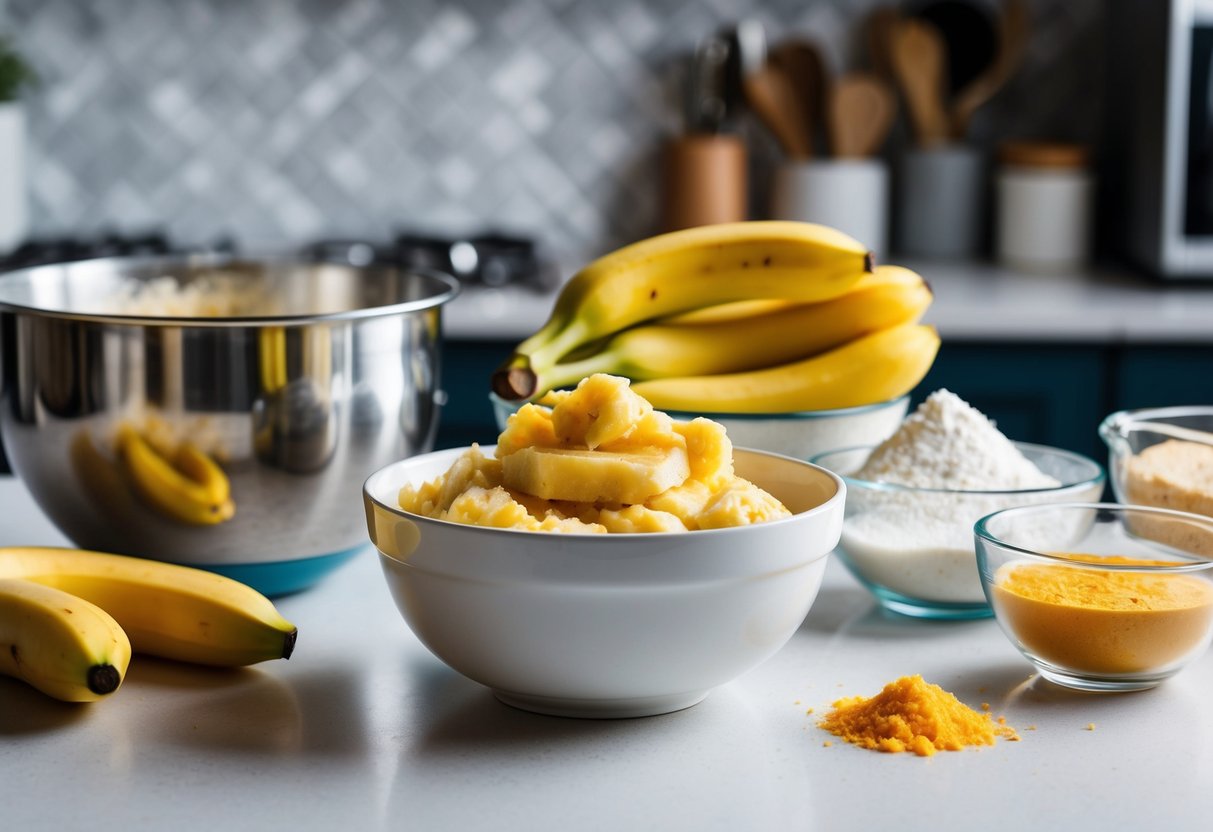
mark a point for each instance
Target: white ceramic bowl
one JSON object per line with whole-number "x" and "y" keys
{"x": 802, "y": 434}
{"x": 614, "y": 625}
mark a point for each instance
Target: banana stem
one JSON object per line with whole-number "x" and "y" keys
{"x": 560, "y": 375}
{"x": 518, "y": 377}
{"x": 514, "y": 380}
{"x": 569, "y": 338}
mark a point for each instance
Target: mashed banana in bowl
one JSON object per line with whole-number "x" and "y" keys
{"x": 593, "y": 460}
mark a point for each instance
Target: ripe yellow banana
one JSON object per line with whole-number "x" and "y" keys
{"x": 191, "y": 490}
{"x": 685, "y": 270}
{"x": 167, "y": 610}
{"x": 64, "y": 646}
{"x": 870, "y": 369}
{"x": 889, "y": 296}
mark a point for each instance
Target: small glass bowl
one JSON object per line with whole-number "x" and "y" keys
{"x": 1140, "y": 481}
{"x": 913, "y": 547}
{"x": 800, "y": 434}
{"x": 1098, "y": 596}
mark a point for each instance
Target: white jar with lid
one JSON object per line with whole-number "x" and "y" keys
{"x": 1044, "y": 206}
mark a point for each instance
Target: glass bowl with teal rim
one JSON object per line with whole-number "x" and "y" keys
{"x": 913, "y": 549}
{"x": 800, "y": 434}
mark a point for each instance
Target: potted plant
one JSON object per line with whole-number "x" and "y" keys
{"x": 15, "y": 76}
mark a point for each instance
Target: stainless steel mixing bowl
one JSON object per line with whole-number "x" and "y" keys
{"x": 332, "y": 373}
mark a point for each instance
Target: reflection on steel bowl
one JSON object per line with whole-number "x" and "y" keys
{"x": 134, "y": 426}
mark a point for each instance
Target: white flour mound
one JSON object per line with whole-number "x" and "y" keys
{"x": 947, "y": 443}
{"x": 920, "y": 544}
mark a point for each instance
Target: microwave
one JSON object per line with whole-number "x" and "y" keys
{"x": 1158, "y": 160}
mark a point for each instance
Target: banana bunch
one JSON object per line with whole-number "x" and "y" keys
{"x": 742, "y": 317}
{"x": 70, "y": 619}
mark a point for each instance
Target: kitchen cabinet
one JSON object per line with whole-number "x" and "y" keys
{"x": 467, "y": 416}
{"x": 1160, "y": 376}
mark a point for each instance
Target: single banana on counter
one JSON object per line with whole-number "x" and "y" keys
{"x": 167, "y": 610}
{"x": 889, "y": 296}
{"x": 680, "y": 271}
{"x": 192, "y": 489}
{"x": 64, "y": 646}
{"x": 874, "y": 368}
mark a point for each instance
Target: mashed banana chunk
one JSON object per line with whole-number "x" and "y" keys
{"x": 597, "y": 459}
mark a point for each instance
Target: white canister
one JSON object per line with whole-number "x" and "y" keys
{"x": 1044, "y": 206}
{"x": 12, "y": 176}
{"x": 851, "y": 195}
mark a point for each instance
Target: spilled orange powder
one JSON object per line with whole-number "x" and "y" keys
{"x": 910, "y": 714}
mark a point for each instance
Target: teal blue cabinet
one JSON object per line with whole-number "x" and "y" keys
{"x": 467, "y": 416}
{"x": 1159, "y": 376}
{"x": 1050, "y": 394}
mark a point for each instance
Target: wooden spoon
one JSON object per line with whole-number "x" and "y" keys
{"x": 920, "y": 67}
{"x": 1012, "y": 39}
{"x": 773, "y": 97}
{"x": 861, "y": 111}
{"x": 878, "y": 29}
{"x": 802, "y": 64}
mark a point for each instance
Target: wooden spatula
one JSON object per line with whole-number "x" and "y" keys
{"x": 861, "y": 109}
{"x": 801, "y": 62}
{"x": 920, "y": 66}
{"x": 775, "y": 100}
{"x": 878, "y": 39}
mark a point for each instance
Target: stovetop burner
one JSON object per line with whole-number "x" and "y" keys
{"x": 489, "y": 259}
{"x": 42, "y": 250}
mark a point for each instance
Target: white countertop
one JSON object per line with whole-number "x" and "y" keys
{"x": 363, "y": 729}
{"x": 973, "y": 302}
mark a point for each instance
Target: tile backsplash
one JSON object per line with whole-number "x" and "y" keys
{"x": 274, "y": 122}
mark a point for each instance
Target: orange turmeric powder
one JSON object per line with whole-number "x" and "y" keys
{"x": 1102, "y": 620}
{"x": 910, "y": 714}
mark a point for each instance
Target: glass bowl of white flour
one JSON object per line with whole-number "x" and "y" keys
{"x": 912, "y": 502}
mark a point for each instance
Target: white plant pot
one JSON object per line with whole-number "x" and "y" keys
{"x": 13, "y": 214}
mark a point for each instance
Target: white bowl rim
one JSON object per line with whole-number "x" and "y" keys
{"x": 601, "y": 539}
{"x": 1198, "y": 563}
{"x": 1099, "y": 478}
{"x": 795, "y": 415}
